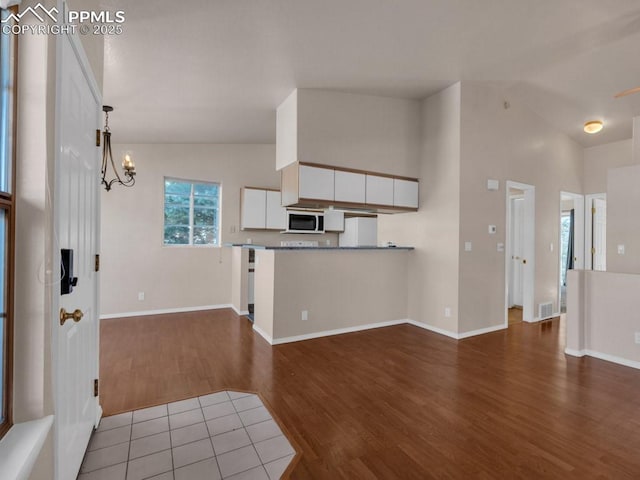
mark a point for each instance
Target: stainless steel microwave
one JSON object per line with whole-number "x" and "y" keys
{"x": 304, "y": 222}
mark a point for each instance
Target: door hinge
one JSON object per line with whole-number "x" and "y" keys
{"x": 593, "y": 250}
{"x": 97, "y": 265}
{"x": 96, "y": 387}
{"x": 593, "y": 210}
{"x": 98, "y": 132}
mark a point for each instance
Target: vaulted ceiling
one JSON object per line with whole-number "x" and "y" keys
{"x": 213, "y": 71}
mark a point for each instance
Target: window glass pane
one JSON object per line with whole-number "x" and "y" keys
{"x": 176, "y": 200}
{"x": 204, "y": 216}
{"x": 176, "y": 215}
{"x": 205, "y": 201}
{"x": 209, "y": 189}
{"x": 6, "y": 106}
{"x": 204, "y": 236}
{"x": 175, "y": 186}
{"x": 3, "y": 318}
{"x": 176, "y": 235}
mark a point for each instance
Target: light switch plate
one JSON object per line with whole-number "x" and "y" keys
{"x": 620, "y": 249}
{"x": 492, "y": 229}
{"x": 467, "y": 246}
{"x": 493, "y": 184}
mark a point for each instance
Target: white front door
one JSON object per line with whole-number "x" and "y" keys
{"x": 599, "y": 238}
{"x": 76, "y": 208}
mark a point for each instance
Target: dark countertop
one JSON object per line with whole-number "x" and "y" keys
{"x": 266, "y": 247}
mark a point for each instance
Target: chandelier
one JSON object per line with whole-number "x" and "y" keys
{"x": 107, "y": 159}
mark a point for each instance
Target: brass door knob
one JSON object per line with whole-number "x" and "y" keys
{"x": 76, "y": 315}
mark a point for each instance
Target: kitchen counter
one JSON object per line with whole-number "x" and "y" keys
{"x": 267, "y": 247}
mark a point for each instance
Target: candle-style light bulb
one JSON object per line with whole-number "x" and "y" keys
{"x": 127, "y": 162}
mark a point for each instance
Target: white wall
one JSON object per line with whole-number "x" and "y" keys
{"x": 598, "y": 160}
{"x": 434, "y": 229}
{"x": 623, "y": 220}
{"x": 133, "y": 256}
{"x": 507, "y": 144}
{"x": 365, "y": 132}
{"x": 598, "y": 319}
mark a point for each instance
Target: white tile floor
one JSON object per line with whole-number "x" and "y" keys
{"x": 223, "y": 435}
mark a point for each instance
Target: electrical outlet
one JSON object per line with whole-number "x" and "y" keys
{"x": 467, "y": 246}
{"x": 232, "y": 229}
{"x": 140, "y": 296}
{"x": 305, "y": 315}
{"x": 447, "y": 312}
{"x": 638, "y": 337}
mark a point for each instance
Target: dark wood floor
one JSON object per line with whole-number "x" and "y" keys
{"x": 396, "y": 402}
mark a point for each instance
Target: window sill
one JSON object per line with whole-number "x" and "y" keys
{"x": 20, "y": 447}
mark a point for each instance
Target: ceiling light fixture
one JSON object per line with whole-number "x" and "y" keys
{"x": 593, "y": 126}
{"x": 107, "y": 158}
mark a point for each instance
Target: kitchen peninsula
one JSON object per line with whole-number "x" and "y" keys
{"x": 308, "y": 292}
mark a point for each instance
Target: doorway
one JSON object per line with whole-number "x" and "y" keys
{"x": 519, "y": 253}
{"x": 571, "y": 243}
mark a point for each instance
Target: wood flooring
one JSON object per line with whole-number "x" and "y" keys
{"x": 396, "y": 402}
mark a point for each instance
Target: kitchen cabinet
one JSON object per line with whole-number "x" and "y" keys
{"x": 316, "y": 183}
{"x": 260, "y": 209}
{"x": 405, "y": 193}
{"x": 333, "y": 221}
{"x": 379, "y": 190}
{"x": 253, "y": 208}
{"x": 276, "y": 218}
{"x": 350, "y": 187}
{"x": 315, "y": 186}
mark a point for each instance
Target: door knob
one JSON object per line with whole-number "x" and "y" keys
{"x": 76, "y": 315}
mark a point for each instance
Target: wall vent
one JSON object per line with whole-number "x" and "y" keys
{"x": 545, "y": 310}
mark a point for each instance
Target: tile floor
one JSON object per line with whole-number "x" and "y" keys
{"x": 223, "y": 435}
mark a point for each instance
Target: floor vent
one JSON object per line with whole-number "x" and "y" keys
{"x": 545, "y": 310}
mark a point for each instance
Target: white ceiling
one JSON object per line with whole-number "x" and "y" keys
{"x": 213, "y": 71}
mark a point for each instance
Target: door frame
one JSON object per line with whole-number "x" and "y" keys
{"x": 588, "y": 227}
{"x": 54, "y": 291}
{"x": 579, "y": 234}
{"x": 528, "y": 284}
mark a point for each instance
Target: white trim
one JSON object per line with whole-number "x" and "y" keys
{"x": 433, "y": 329}
{"x": 263, "y": 334}
{"x": 20, "y": 448}
{"x": 574, "y": 353}
{"x": 239, "y": 312}
{"x": 165, "y": 310}
{"x": 481, "y": 331}
{"x": 338, "y": 331}
{"x": 612, "y": 358}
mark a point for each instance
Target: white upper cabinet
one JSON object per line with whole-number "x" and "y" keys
{"x": 316, "y": 183}
{"x": 350, "y": 187}
{"x": 254, "y": 208}
{"x": 333, "y": 221}
{"x": 379, "y": 190}
{"x": 405, "y": 193}
{"x": 276, "y": 213}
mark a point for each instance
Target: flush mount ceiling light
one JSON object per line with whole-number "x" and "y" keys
{"x": 107, "y": 159}
{"x": 593, "y": 126}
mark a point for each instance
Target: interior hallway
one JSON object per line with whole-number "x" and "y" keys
{"x": 395, "y": 402}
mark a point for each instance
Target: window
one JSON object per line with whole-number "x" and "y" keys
{"x": 191, "y": 212}
{"x": 8, "y": 51}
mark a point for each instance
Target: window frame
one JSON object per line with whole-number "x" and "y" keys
{"x": 7, "y": 202}
{"x": 192, "y": 206}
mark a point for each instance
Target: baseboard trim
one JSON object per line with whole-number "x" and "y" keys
{"x": 431, "y": 328}
{"x": 239, "y": 312}
{"x": 165, "y": 310}
{"x": 263, "y": 334}
{"x": 481, "y": 331}
{"x": 328, "y": 333}
{"x": 613, "y": 359}
{"x": 574, "y": 353}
